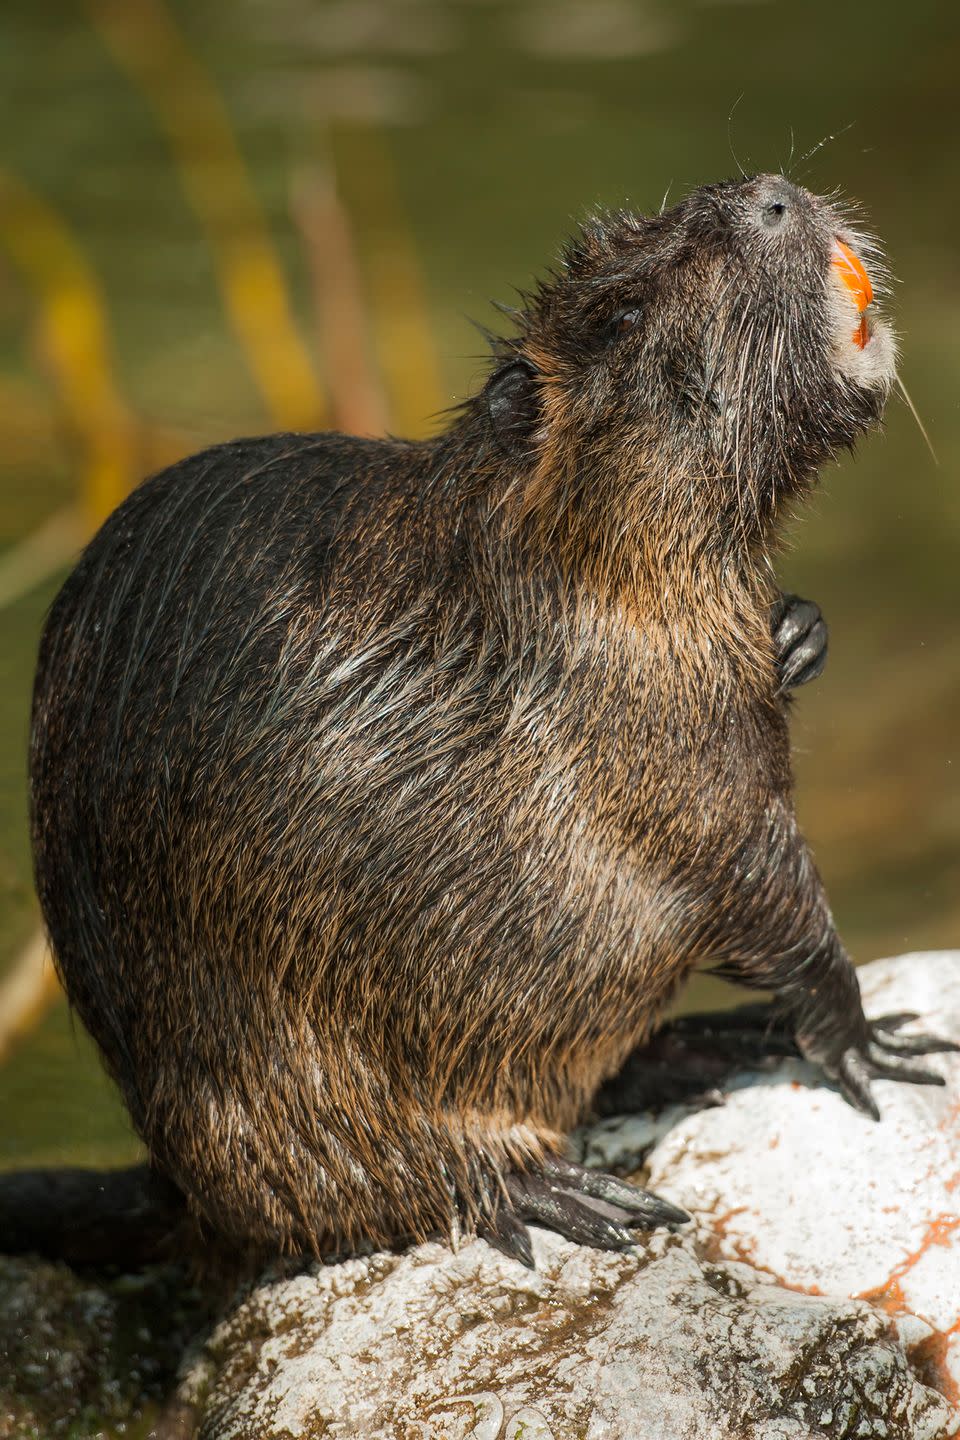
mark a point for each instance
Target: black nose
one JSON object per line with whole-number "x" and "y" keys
{"x": 776, "y": 198}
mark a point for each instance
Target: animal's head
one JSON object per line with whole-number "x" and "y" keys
{"x": 686, "y": 371}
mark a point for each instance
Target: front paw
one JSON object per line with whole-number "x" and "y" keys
{"x": 881, "y": 1053}
{"x": 800, "y": 640}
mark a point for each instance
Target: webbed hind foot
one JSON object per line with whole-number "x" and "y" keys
{"x": 586, "y": 1206}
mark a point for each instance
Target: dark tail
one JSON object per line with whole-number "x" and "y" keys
{"x": 126, "y": 1218}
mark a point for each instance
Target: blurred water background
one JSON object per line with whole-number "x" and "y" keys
{"x": 229, "y": 216}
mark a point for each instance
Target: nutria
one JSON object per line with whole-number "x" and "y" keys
{"x": 385, "y": 792}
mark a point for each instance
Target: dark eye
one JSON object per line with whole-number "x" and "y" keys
{"x": 623, "y": 322}
{"x": 773, "y": 214}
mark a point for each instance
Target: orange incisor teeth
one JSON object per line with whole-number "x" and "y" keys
{"x": 850, "y": 269}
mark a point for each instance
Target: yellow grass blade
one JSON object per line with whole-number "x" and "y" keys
{"x": 145, "y": 41}
{"x": 75, "y": 342}
{"x": 356, "y": 394}
{"x": 398, "y": 298}
{"x": 27, "y": 991}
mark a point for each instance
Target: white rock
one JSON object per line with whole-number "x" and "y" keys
{"x": 788, "y": 1176}
{"x": 679, "y": 1339}
{"x": 651, "y": 1345}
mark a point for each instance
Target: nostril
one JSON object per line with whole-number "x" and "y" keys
{"x": 777, "y": 199}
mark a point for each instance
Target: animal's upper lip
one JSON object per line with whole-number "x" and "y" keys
{"x": 849, "y": 268}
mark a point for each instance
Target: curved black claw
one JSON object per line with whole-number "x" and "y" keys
{"x": 800, "y": 640}
{"x": 694, "y": 1053}
{"x": 888, "y": 1039}
{"x": 883, "y": 1056}
{"x": 896, "y": 1021}
{"x": 559, "y": 1195}
{"x": 508, "y": 1234}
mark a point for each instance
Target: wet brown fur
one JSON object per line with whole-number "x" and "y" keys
{"x": 383, "y": 793}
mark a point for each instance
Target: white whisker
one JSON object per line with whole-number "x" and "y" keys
{"x": 920, "y": 425}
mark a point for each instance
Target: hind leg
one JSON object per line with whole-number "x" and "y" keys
{"x": 691, "y": 1056}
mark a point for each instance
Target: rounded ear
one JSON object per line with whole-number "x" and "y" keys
{"x": 512, "y": 401}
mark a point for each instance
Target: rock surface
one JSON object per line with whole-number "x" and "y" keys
{"x": 655, "y": 1343}
{"x": 790, "y": 1178}
{"x": 818, "y": 1296}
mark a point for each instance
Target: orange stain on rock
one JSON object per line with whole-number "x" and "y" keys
{"x": 744, "y": 1251}
{"x": 888, "y": 1297}
{"x": 940, "y": 1231}
{"x": 932, "y": 1355}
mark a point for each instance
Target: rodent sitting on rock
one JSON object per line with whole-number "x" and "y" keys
{"x": 384, "y": 792}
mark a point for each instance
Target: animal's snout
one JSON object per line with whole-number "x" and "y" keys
{"x": 777, "y": 199}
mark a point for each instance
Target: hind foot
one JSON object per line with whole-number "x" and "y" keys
{"x": 690, "y": 1057}
{"x": 586, "y": 1206}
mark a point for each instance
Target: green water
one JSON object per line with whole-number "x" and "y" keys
{"x": 500, "y": 123}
